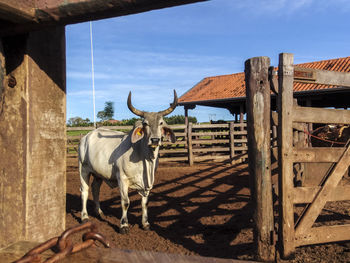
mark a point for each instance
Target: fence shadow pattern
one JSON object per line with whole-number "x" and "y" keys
{"x": 206, "y": 210}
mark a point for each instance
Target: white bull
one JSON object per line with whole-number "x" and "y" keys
{"x": 124, "y": 160}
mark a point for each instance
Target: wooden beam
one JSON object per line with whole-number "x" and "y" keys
{"x": 36, "y": 15}
{"x": 319, "y": 115}
{"x": 189, "y": 144}
{"x": 17, "y": 12}
{"x": 317, "y": 155}
{"x": 324, "y": 77}
{"x": 323, "y": 234}
{"x": 259, "y": 154}
{"x": 305, "y": 195}
{"x": 285, "y": 154}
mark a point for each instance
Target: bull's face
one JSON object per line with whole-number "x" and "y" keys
{"x": 152, "y": 127}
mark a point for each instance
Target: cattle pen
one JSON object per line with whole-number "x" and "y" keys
{"x": 194, "y": 143}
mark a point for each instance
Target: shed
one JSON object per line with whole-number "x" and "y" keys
{"x": 228, "y": 91}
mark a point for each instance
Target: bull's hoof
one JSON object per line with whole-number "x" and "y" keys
{"x": 146, "y": 228}
{"x": 124, "y": 230}
{"x": 83, "y": 221}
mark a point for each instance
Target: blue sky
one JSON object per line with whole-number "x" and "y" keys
{"x": 155, "y": 52}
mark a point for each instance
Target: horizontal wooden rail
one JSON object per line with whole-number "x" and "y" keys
{"x": 317, "y": 154}
{"x": 324, "y": 234}
{"x": 211, "y": 157}
{"x": 305, "y": 195}
{"x": 173, "y": 159}
{"x": 210, "y": 133}
{"x": 319, "y": 115}
{"x": 162, "y": 151}
{"x": 211, "y": 149}
{"x": 323, "y": 77}
{"x": 210, "y": 141}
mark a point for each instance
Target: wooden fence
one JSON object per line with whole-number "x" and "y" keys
{"x": 299, "y": 205}
{"x": 195, "y": 143}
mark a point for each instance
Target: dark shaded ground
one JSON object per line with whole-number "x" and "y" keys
{"x": 200, "y": 210}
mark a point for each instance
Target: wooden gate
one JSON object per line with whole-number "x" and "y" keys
{"x": 299, "y": 232}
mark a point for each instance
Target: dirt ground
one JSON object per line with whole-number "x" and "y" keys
{"x": 201, "y": 210}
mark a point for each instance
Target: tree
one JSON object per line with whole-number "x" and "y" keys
{"x": 129, "y": 121}
{"x": 179, "y": 119}
{"x": 108, "y": 112}
{"x": 78, "y": 121}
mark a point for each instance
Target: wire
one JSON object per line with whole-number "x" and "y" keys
{"x": 93, "y": 74}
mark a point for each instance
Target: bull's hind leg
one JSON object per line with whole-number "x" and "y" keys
{"x": 124, "y": 226}
{"x": 84, "y": 189}
{"x": 95, "y": 187}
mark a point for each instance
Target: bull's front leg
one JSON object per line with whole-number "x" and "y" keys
{"x": 124, "y": 226}
{"x": 144, "y": 201}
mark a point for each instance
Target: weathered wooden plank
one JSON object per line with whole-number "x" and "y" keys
{"x": 317, "y": 154}
{"x": 324, "y": 77}
{"x": 245, "y": 140}
{"x": 305, "y": 195}
{"x": 285, "y": 158}
{"x": 211, "y": 157}
{"x": 162, "y": 151}
{"x": 240, "y": 132}
{"x": 210, "y": 133}
{"x": 322, "y": 196}
{"x": 323, "y": 234}
{"x": 222, "y": 141}
{"x": 232, "y": 141}
{"x": 189, "y": 144}
{"x": 211, "y": 149}
{"x": 319, "y": 115}
{"x": 175, "y": 143}
{"x": 173, "y": 159}
{"x": 259, "y": 144}
{"x": 207, "y": 126}
{"x": 241, "y": 124}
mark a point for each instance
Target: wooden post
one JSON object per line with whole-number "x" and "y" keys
{"x": 259, "y": 142}
{"x": 232, "y": 142}
{"x": 309, "y": 125}
{"x": 186, "y": 122}
{"x": 33, "y": 137}
{"x": 285, "y": 149}
{"x": 241, "y": 120}
{"x": 241, "y": 115}
{"x": 189, "y": 144}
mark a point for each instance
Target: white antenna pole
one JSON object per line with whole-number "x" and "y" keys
{"x": 92, "y": 74}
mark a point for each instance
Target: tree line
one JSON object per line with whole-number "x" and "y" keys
{"x": 107, "y": 114}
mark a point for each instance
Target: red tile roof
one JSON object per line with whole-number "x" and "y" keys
{"x": 233, "y": 85}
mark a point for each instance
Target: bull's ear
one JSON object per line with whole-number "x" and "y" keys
{"x": 167, "y": 132}
{"x": 137, "y": 134}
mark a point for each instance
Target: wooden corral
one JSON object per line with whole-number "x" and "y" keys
{"x": 293, "y": 149}
{"x": 194, "y": 143}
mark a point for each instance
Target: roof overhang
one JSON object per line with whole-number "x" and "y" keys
{"x": 231, "y": 103}
{"x": 27, "y": 15}
{"x": 213, "y": 102}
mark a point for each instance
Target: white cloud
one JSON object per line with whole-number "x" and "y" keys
{"x": 283, "y": 7}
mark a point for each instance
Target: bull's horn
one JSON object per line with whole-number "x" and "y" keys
{"x": 132, "y": 109}
{"x": 172, "y": 106}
